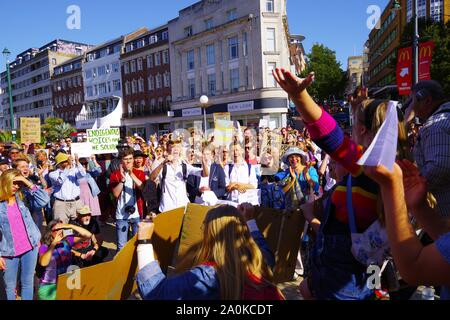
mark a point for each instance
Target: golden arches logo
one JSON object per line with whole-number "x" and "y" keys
{"x": 404, "y": 56}
{"x": 426, "y": 52}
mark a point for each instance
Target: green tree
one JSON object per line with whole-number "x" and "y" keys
{"x": 5, "y": 136}
{"x": 439, "y": 33}
{"x": 330, "y": 79}
{"x": 56, "y": 128}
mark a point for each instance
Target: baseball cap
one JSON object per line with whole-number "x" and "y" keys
{"x": 4, "y": 160}
{"x": 83, "y": 211}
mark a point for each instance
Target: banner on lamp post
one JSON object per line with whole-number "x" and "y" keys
{"x": 425, "y": 57}
{"x": 404, "y": 71}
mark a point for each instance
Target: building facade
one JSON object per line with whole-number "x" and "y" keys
{"x": 227, "y": 51}
{"x": 30, "y": 78}
{"x": 67, "y": 89}
{"x": 146, "y": 83}
{"x": 438, "y": 10}
{"x": 355, "y": 71}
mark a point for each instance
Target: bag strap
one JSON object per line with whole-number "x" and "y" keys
{"x": 164, "y": 174}
{"x": 249, "y": 169}
{"x": 184, "y": 168}
{"x": 230, "y": 169}
{"x": 351, "y": 215}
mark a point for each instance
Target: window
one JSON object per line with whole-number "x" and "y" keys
{"x": 133, "y": 66}
{"x": 209, "y": 24}
{"x": 151, "y": 83}
{"x": 127, "y": 88}
{"x": 232, "y": 15}
{"x": 271, "y": 40}
{"x": 234, "y": 80}
{"x": 191, "y": 88}
{"x": 102, "y": 88}
{"x": 158, "y": 81}
{"x": 210, "y": 55}
{"x": 88, "y": 74}
{"x": 270, "y": 5}
{"x": 190, "y": 60}
{"x": 126, "y": 67}
{"x": 165, "y": 35}
{"x": 166, "y": 57}
{"x": 158, "y": 59}
{"x": 116, "y": 85}
{"x": 101, "y": 71}
{"x": 211, "y": 84}
{"x": 89, "y": 93}
{"x": 150, "y": 61}
{"x": 153, "y": 39}
{"x": 167, "y": 80}
{"x": 141, "y": 85}
{"x": 233, "y": 45}
{"x": 270, "y": 79}
{"x": 54, "y": 61}
{"x": 188, "y": 31}
{"x": 140, "y": 64}
{"x": 115, "y": 67}
{"x": 134, "y": 86}
{"x": 245, "y": 45}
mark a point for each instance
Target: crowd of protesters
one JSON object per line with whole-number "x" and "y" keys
{"x": 53, "y": 203}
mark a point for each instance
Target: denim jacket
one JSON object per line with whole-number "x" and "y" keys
{"x": 6, "y": 239}
{"x": 90, "y": 175}
{"x": 35, "y": 199}
{"x": 199, "y": 283}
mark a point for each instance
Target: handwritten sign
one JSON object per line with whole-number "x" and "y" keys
{"x": 30, "y": 130}
{"x": 104, "y": 141}
{"x": 83, "y": 150}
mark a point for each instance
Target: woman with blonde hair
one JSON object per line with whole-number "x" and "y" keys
{"x": 19, "y": 240}
{"x": 229, "y": 264}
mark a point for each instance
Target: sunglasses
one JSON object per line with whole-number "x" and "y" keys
{"x": 15, "y": 152}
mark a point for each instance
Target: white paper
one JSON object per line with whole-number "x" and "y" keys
{"x": 263, "y": 123}
{"x": 383, "y": 149}
{"x": 251, "y": 196}
{"x": 209, "y": 198}
{"x": 204, "y": 182}
{"x": 84, "y": 150}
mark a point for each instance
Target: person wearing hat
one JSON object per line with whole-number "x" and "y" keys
{"x": 15, "y": 153}
{"x": 66, "y": 188}
{"x": 90, "y": 251}
{"x": 140, "y": 159}
{"x": 298, "y": 181}
{"x": 4, "y": 164}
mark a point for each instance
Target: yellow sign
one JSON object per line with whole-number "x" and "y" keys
{"x": 30, "y": 130}
{"x": 222, "y": 116}
{"x": 404, "y": 56}
{"x": 426, "y": 51}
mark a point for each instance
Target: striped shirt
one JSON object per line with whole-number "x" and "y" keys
{"x": 432, "y": 154}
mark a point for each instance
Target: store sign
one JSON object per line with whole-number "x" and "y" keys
{"x": 241, "y": 106}
{"x": 192, "y": 112}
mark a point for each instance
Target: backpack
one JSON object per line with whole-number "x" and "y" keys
{"x": 164, "y": 174}
{"x": 150, "y": 195}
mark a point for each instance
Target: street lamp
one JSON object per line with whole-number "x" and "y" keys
{"x": 6, "y": 53}
{"x": 397, "y": 7}
{"x": 204, "y": 104}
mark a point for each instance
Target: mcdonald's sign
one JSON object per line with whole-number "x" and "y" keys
{"x": 404, "y": 56}
{"x": 425, "y": 57}
{"x": 404, "y": 71}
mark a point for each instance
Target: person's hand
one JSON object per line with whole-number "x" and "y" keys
{"x": 415, "y": 185}
{"x": 22, "y": 180}
{"x": 89, "y": 255}
{"x": 381, "y": 175}
{"x": 363, "y": 94}
{"x": 122, "y": 173}
{"x": 241, "y": 190}
{"x": 231, "y": 187}
{"x": 292, "y": 172}
{"x": 151, "y": 216}
{"x": 2, "y": 264}
{"x": 58, "y": 238}
{"x": 94, "y": 158}
{"x": 290, "y": 83}
{"x": 203, "y": 189}
{"x": 77, "y": 159}
{"x": 247, "y": 210}
{"x": 145, "y": 230}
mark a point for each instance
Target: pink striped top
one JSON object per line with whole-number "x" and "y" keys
{"x": 18, "y": 230}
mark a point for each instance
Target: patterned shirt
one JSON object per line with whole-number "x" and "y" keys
{"x": 60, "y": 261}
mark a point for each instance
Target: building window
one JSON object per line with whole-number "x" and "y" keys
{"x": 116, "y": 85}
{"x": 158, "y": 81}
{"x": 188, "y": 31}
{"x": 115, "y": 67}
{"x": 133, "y": 66}
{"x": 158, "y": 59}
{"x": 141, "y": 85}
{"x": 234, "y": 80}
{"x": 271, "y": 66}
{"x": 126, "y": 67}
{"x": 101, "y": 71}
{"x": 233, "y": 45}
{"x": 150, "y": 61}
{"x": 191, "y": 88}
{"x": 151, "y": 83}
{"x": 134, "y": 86}
{"x": 210, "y": 54}
{"x": 271, "y": 40}
{"x": 89, "y": 93}
{"x": 209, "y": 24}
{"x": 140, "y": 64}
{"x": 270, "y": 6}
{"x": 167, "y": 80}
{"x": 232, "y": 15}
{"x": 165, "y": 35}
{"x": 88, "y": 74}
{"x": 245, "y": 44}
{"x": 190, "y": 60}
{"x": 166, "y": 57}
{"x": 211, "y": 84}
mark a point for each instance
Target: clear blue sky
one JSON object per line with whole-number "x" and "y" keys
{"x": 338, "y": 24}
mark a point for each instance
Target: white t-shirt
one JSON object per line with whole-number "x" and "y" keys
{"x": 127, "y": 198}
{"x": 174, "y": 194}
{"x": 239, "y": 174}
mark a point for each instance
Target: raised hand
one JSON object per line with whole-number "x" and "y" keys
{"x": 145, "y": 230}
{"x": 363, "y": 94}
{"x": 290, "y": 83}
{"x": 415, "y": 185}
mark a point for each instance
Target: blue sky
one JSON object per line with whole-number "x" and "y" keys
{"x": 338, "y": 24}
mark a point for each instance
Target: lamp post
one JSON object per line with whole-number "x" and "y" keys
{"x": 6, "y": 53}
{"x": 204, "y": 104}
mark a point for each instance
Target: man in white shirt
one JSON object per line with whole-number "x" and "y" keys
{"x": 240, "y": 177}
{"x": 172, "y": 174}
{"x": 66, "y": 188}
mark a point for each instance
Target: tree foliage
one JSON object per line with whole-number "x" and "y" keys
{"x": 330, "y": 78}
{"x": 56, "y": 128}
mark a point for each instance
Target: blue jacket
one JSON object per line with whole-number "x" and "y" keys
{"x": 199, "y": 283}
{"x": 40, "y": 199}
{"x": 90, "y": 176}
{"x": 217, "y": 183}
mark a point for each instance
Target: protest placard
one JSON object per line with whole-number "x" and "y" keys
{"x": 30, "y": 130}
{"x": 104, "y": 141}
{"x": 223, "y": 133}
{"x": 83, "y": 150}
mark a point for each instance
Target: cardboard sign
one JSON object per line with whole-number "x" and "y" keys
{"x": 84, "y": 150}
{"x": 104, "y": 141}
{"x": 30, "y": 130}
{"x": 223, "y": 133}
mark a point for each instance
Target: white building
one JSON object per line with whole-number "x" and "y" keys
{"x": 227, "y": 49}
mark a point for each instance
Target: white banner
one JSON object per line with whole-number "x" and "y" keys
{"x": 84, "y": 150}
